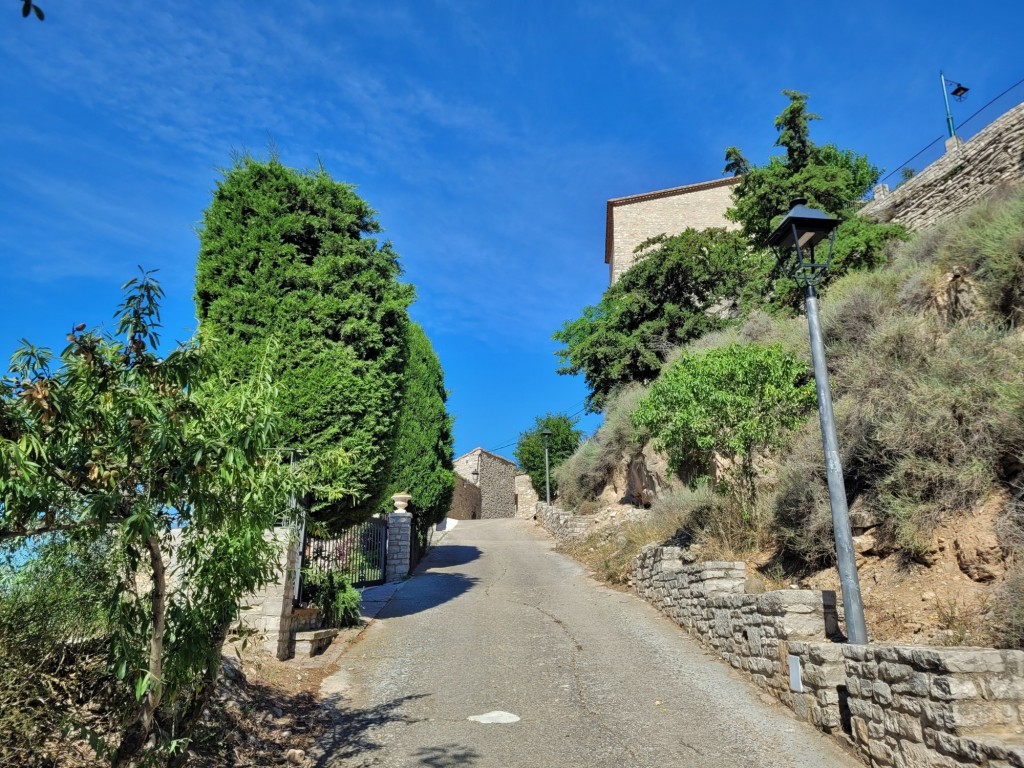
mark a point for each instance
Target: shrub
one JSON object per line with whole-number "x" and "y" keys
{"x": 53, "y": 634}
{"x": 988, "y": 242}
{"x": 1008, "y": 610}
{"x": 331, "y": 591}
{"x": 422, "y": 463}
{"x": 732, "y": 401}
{"x": 672, "y": 295}
{"x": 583, "y": 475}
{"x": 927, "y": 420}
{"x": 291, "y": 256}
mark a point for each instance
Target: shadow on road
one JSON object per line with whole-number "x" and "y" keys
{"x": 349, "y": 735}
{"x": 425, "y": 591}
{"x": 446, "y": 756}
{"x": 446, "y": 556}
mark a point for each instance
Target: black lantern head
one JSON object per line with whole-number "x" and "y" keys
{"x": 547, "y": 433}
{"x": 959, "y": 91}
{"x": 802, "y": 231}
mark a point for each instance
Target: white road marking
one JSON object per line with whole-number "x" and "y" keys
{"x": 495, "y": 717}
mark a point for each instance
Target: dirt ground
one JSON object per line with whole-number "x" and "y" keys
{"x": 941, "y": 599}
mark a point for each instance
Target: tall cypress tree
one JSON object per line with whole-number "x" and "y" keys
{"x": 287, "y": 263}
{"x": 422, "y": 465}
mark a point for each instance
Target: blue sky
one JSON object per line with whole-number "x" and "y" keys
{"x": 487, "y": 135}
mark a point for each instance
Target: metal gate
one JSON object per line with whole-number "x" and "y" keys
{"x": 359, "y": 553}
{"x": 422, "y": 533}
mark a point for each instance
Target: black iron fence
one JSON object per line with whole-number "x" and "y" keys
{"x": 422, "y": 532}
{"x": 359, "y": 553}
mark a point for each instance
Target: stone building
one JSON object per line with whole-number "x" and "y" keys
{"x": 465, "y": 500}
{"x": 526, "y": 496}
{"x": 634, "y": 219}
{"x": 492, "y": 481}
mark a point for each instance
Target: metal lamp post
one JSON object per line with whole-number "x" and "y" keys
{"x": 547, "y": 467}
{"x": 801, "y": 231}
{"x": 959, "y": 92}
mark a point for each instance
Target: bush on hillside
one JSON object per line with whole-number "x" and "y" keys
{"x": 583, "y": 476}
{"x": 681, "y": 288}
{"x": 988, "y": 243}
{"x": 929, "y": 418}
{"x": 733, "y": 401}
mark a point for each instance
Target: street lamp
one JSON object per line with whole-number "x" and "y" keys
{"x": 547, "y": 467}
{"x": 959, "y": 93}
{"x": 801, "y": 231}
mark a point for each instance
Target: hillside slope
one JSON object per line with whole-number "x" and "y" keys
{"x": 925, "y": 355}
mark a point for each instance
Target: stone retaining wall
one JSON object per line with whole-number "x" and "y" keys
{"x": 896, "y": 705}
{"x": 964, "y": 175}
{"x": 564, "y": 526}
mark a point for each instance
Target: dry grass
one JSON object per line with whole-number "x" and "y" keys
{"x": 583, "y": 475}
{"x": 608, "y": 551}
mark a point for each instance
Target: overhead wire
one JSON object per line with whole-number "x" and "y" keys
{"x": 582, "y": 403}
{"x": 961, "y": 125}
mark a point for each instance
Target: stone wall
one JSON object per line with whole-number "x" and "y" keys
{"x": 526, "y": 497}
{"x": 497, "y": 486}
{"x": 564, "y": 526}
{"x": 269, "y": 611}
{"x": 399, "y": 551}
{"x": 634, "y": 219}
{"x": 493, "y": 476}
{"x": 966, "y": 173}
{"x": 896, "y": 705}
{"x": 465, "y": 500}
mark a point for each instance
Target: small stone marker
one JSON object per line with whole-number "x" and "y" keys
{"x": 796, "y": 684}
{"x": 495, "y": 717}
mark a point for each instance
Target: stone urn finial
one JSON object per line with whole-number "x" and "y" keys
{"x": 401, "y": 501}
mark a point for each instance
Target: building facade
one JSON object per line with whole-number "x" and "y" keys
{"x": 634, "y": 219}
{"x": 492, "y": 477}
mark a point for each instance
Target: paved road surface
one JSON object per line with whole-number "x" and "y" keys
{"x": 494, "y": 620}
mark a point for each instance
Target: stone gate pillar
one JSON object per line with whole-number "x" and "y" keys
{"x": 399, "y": 555}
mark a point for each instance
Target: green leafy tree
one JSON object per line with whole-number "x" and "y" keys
{"x": 562, "y": 443}
{"x": 288, "y": 256}
{"x": 733, "y": 401}
{"x": 833, "y": 180}
{"x": 681, "y": 288}
{"x": 422, "y": 466}
{"x": 171, "y": 468}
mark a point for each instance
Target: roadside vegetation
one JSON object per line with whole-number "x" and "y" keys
{"x": 138, "y": 482}
{"x": 925, "y": 354}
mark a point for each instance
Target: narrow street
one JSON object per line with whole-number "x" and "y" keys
{"x": 495, "y": 621}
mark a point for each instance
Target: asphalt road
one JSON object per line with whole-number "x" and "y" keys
{"x": 495, "y": 621}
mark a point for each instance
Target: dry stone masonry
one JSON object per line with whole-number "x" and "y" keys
{"x": 896, "y": 705}
{"x": 965, "y": 174}
{"x": 564, "y": 526}
{"x": 526, "y": 496}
